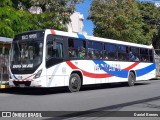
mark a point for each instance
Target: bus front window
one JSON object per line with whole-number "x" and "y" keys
{"x": 26, "y": 54}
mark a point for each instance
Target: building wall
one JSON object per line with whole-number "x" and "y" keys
{"x": 157, "y": 4}
{"x": 35, "y": 10}
{"x": 76, "y": 24}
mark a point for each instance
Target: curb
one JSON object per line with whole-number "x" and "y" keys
{"x": 4, "y": 86}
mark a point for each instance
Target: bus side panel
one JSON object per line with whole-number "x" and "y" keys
{"x": 145, "y": 71}
{"x": 58, "y": 75}
{"x": 98, "y": 71}
{"x": 93, "y": 73}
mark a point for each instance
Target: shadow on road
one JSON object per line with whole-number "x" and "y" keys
{"x": 47, "y": 91}
{"x": 107, "y": 111}
{"x": 34, "y": 91}
{"x": 109, "y": 86}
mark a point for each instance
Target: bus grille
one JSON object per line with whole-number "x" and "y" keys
{"x": 26, "y": 83}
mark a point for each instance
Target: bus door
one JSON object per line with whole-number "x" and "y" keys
{"x": 54, "y": 61}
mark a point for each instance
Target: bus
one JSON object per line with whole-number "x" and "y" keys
{"x": 52, "y": 58}
{"x": 5, "y": 44}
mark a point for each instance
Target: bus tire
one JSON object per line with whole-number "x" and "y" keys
{"x": 131, "y": 79}
{"x": 74, "y": 83}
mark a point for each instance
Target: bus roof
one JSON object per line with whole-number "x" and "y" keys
{"x": 81, "y": 36}
{"x": 75, "y": 35}
{"x": 6, "y": 40}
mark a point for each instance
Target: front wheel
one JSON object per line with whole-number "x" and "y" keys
{"x": 74, "y": 83}
{"x": 131, "y": 79}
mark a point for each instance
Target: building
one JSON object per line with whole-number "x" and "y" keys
{"x": 76, "y": 24}
{"x": 157, "y": 4}
{"x": 35, "y": 10}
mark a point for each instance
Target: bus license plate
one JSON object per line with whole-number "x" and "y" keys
{"x": 22, "y": 85}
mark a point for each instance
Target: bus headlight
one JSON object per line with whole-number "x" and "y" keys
{"x": 38, "y": 74}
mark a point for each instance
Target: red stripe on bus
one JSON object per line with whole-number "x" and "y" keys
{"x": 52, "y": 31}
{"x": 92, "y": 75}
{"x": 88, "y": 74}
{"x": 132, "y": 66}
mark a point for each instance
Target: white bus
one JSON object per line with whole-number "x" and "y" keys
{"x": 51, "y": 58}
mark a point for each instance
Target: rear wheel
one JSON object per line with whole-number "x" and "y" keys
{"x": 74, "y": 83}
{"x": 131, "y": 79}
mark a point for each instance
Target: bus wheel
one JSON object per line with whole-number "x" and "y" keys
{"x": 74, "y": 83}
{"x": 131, "y": 79}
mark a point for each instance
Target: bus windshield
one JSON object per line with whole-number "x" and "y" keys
{"x": 26, "y": 54}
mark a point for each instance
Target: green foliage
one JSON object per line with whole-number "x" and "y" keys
{"x": 121, "y": 20}
{"x": 6, "y": 22}
{"x": 62, "y": 8}
{"x": 5, "y": 3}
{"x": 151, "y": 17}
{"x": 15, "y": 21}
{"x": 15, "y": 18}
{"x": 21, "y": 4}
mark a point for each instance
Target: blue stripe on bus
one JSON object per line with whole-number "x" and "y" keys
{"x": 121, "y": 73}
{"x": 81, "y": 36}
{"x": 124, "y": 73}
{"x": 145, "y": 70}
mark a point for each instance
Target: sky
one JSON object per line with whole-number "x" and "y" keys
{"x": 84, "y": 7}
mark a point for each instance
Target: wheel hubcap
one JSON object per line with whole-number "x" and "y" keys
{"x": 132, "y": 79}
{"x": 74, "y": 83}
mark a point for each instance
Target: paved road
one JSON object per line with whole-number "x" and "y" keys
{"x": 144, "y": 96}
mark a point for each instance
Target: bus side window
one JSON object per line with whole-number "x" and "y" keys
{"x": 135, "y": 52}
{"x": 59, "y": 50}
{"x": 110, "y": 52}
{"x": 54, "y": 52}
{"x": 72, "y": 53}
{"x": 122, "y": 53}
{"x": 144, "y": 55}
{"x": 49, "y": 49}
{"x": 95, "y": 50}
{"x": 76, "y": 48}
{"x": 151, "y": 55}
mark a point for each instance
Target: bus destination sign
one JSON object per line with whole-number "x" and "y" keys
{"x": 31, "y": 36}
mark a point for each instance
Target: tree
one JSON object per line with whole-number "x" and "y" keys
{"x": 14, "y": 21}
{"x": 151, "y": 16}
{"x": 55, "y": 13}
{"x": 119, "y": 19}
{"x": 15, "y": 18}
{"x": 21, "y": 4}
